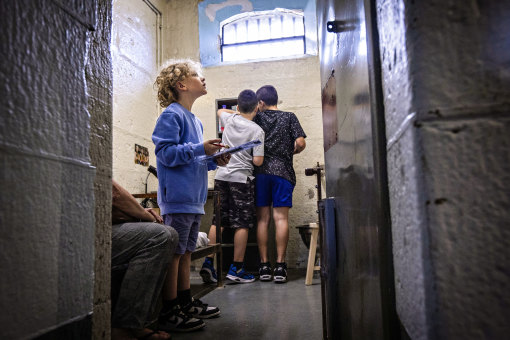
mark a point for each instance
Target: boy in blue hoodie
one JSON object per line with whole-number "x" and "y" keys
{"x": 182, "y": 191}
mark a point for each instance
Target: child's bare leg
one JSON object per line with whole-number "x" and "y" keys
{"x": 212, "y": 234}
{"x": 263, "y": 218}
{"x": 170, "y": 285}
{"x": 281, "y": 221}
{"x": 240, "y": 241}
{"x": 183, "y": 282}
{"x": 212, "y": 237}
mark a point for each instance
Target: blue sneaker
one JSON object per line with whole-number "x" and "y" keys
{"x": 208, "y": 272}
{"x": 239, "y": 275}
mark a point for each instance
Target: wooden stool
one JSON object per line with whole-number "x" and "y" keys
{"x": 311, "y": 254}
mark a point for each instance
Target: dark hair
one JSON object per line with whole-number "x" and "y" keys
{"x": 247, "y": 101}
{"x": 268, "y": 95}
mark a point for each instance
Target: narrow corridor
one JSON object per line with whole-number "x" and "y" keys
{"x": 263, "y": 311}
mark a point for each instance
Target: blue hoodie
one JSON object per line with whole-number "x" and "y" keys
{"x": 182, "y": 177}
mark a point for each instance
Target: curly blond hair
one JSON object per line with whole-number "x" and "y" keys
{"x": 172, "y": 72}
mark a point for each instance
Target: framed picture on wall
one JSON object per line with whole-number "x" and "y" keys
{"x": 141, "y": 155}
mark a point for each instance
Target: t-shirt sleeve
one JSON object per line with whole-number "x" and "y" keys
{"x": 295, "y": 128}
{"x": 225, "y": 118}
{"x": 259, "y": 149}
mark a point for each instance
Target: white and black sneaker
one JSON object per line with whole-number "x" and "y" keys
{"x": 265, "y": 271}
{"x": 200, "y": 310}
{"x": 280, "y": 273}
{"x": 178, "y": 321}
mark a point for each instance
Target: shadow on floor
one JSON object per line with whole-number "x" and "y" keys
{"x": 262, "y": 310}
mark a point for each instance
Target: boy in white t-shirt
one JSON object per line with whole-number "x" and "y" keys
{"x": 235, "y": 182}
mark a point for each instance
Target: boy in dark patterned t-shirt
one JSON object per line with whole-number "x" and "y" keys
{"x": 275, "y": 179}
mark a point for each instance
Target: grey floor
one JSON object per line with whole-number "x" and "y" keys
{"x": 262, "y": 310}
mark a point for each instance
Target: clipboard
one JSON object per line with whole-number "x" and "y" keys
{"x": 234, "y": 149}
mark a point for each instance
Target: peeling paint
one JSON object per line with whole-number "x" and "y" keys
{"x": 210, "y": 10}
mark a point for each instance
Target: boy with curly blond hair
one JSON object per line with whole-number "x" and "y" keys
{"x": 182, "y": 191}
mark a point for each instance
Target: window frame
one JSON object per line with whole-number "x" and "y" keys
{"x": 246, "y": 16}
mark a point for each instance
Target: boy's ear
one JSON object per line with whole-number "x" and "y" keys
{"x": 180, "y": 85}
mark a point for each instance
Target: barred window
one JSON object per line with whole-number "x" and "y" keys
{"x": 263, "y": 34}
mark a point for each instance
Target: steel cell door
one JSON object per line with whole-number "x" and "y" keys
{"x": 358, "y": 277}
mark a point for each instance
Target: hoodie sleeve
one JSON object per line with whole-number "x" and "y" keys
{"x": 211, "y": 165}
{"x": 167, "y": 139}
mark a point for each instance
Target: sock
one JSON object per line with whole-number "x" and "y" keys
{"x": 168, "y": 305}
{"x": 184, "y": 297}
{"x": 210, "y": 259}
{"x": 238, "y": 265}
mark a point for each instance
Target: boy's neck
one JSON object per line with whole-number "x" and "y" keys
{"x": 248, "y": 116}
{"x": 186, "y": 102}
{"x": 269, "y": 107}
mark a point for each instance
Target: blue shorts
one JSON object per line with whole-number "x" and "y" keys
{"x": 273, "y": 189}
{"x": 187, "y": 226}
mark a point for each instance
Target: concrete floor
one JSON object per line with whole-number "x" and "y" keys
{"x": 262, "y": 310}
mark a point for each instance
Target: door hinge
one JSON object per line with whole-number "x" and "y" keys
{"x": 338, "y": 26}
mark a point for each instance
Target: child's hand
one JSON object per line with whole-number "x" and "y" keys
{"x": 210, "y": 147}
{"x": 223, "y": 159}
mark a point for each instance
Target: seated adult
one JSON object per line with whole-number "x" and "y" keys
{"x": 142, "y": 247}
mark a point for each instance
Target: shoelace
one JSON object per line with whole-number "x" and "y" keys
{"x": 185, "y": 317}
{"x": 179, "y": 314}
{"x": 200, "y": 304}
{"x": 280, "y": 269}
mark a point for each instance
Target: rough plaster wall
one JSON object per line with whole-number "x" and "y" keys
{"x": 135, "y": 109}
{"x": 412, "y": 278}
{"x": 445, "y": 79}
{"x": 298, "y": 85}
{"x": 47, "y": 197}
{"x": 99, "y": 89}
{"x": 468, "y": 221}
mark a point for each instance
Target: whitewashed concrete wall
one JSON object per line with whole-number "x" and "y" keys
{"x": 46, "y": 178}
{"x": 136, "y": 54}
{"x": 446, "y": 87}
{"x": 298, "y": 84}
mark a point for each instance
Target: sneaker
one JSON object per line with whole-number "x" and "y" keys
{"x": 207, "y": 272}
{"x": 239, "y": 275}
{"x": 178, "y": 321}
{"x": 280, "y": 273}
{"x": 265, "y": 272}
{"x": 200, "y": 310}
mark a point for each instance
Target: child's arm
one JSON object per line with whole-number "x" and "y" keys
{"x": 259, "y": 150}
{"x": 166, "y": 137}
{"x": 258, "y": 160}
{"x": 224, "y": 110}
{"x": 299, "y": 145}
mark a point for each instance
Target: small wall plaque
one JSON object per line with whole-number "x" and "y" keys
{"x": 141, "y": 155}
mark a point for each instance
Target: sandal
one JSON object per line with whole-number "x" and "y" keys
{"x": 149, "y": 335}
